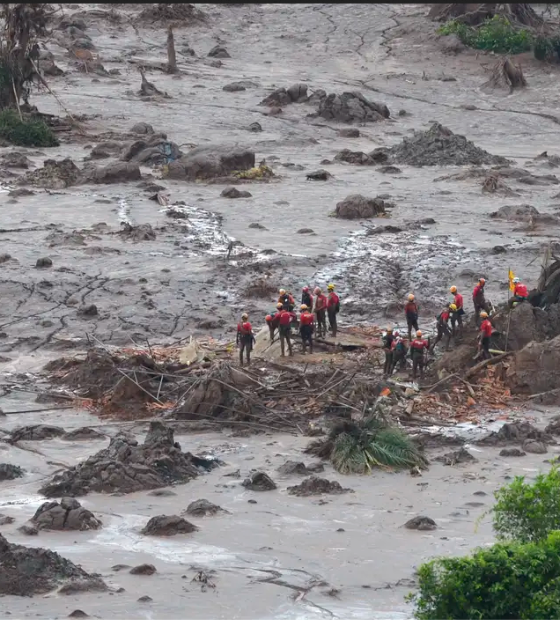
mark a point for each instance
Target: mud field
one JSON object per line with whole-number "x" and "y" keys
{"x": 126, "y": 270}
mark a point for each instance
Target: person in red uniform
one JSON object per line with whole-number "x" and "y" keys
{"x": 285, "y": 330}
{"x": 486, "y": 330}
{"x": 320, "y": 312}
{"x": 418, "y": 351}
{"x": 520, "y": 293}
{"x": 457, "y": 316}
{"x": 443, "y": 325}
{"x": 272, "y": 320}
{"x": 333, "y": 308}
{"x": 479, "y": 300}
{"x": 411, "y": 314}
{"x": 306, "y": 328}
{"x": 245, "y": 338}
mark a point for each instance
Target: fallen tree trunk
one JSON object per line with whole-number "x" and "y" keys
{"x": 493, "y": 360}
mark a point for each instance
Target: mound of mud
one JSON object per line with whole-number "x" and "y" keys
{"x": 203, "y": 508}
{"x": 66, "y": 515}
{"x": 439, "y": 146}
{"x": 10, "y": 472}
{"x": 259, "y": 481}
{"x": 185, "y": 14}
{"x": 209, "y": 162}
{"x": 25, "y": 571}
{"x": 35, "y": 432}
{"x": 516, "y": 432}
{"x": 527, "y": 324}
{"x": 53, "y": 175}
{"x": 125, "y": 466}
{"x": 535, "y": 368}
{"x": 297, "y": 93}
{"x": 351, "y": 107}
{"x": 359, "y": 207}
{"x": 317, "y": 486}
{"x": 163, "y": 525}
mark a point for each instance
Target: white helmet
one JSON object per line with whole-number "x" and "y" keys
{"x": 516, "y": 280}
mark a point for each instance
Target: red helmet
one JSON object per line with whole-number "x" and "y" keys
{"x": 305, "y": 289}
{"x": 268, "y": 318}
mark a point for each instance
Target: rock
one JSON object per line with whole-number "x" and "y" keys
{"x": 515, "y": 432}
{"x": 105, "y": 149}
{"x": 152, "y": 150}
{"x": 143, "y": 232}
{"x": 297, "y": 93}
{"x": 53, "y": 175}
{"x": 187, "y": 50}
{"x": 35, "y": 432}
{"x": 142, "y": 128}
{"x": 358, "y": 207}
{"x": 233, "y": 192}
{"x": 218, "y": 52}
{"x": 66, "y": 515}
{"x": 48, "y": 67}
{"x": 6, "y": 520}
{"x": 84, "y": 433}
{"x": 162, "y": 493}
{"x": 305, "y": 231}
{"x": 255, "y": 127}
{"x": 516, "y": 213}
{"x": 315, "y": 468}
{"x": 125, "y": 466}
{"x": 145, "y": 599}
{"x": 421, "y": 523}
{"x": 163, "y": 525}
{"x": 78, "y": 613}
{"x": 498, "y": 249}
{"x": 77, "y": 587}
{"x": 18, "y": 193}
{"x": 439, "y": 146}
{"x": 207, "y": 162}
{"x": 458, "y": 457}
{"x": 234, "y": 87}
{"x": 317, "y": 486}
{"x": 83, "y": 43}
{"x": 451, "y": 44}
{"x": 28, "y": 530}
{"x": 259, "y": 481}
{"x": 349, "y": 132}
{"x": 143, "y": 569}
{"x": 512, "y": 452}
{"x": 351, "y": 107}
{"x": 257, "y": 226}
{"x": 354, "y": 157}
{"x": 203, "y": 508}
{"x": 119, "y": 172}
{"x": 535, "y": 447}
{"x": 318, "y": 175}
{"x": 89, "y": 310}
{"x": 291, "y": 468}
{"x": 10, "y": 472}
{"x": 15, "y": 160}
{"x": 390, "y": 170}
{"x": 533, "y": 369}
{"x": 553, "y": 427}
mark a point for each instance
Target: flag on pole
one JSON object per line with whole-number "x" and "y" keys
{"x": 511, "y": 275}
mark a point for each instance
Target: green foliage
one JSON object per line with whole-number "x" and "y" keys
{"x": 494, "y": 35}
{"x": 29, "y": 132}
{"x": 528, "y": 512}
{"x": 358, "y": 447}
{"x": 507, "y": 581}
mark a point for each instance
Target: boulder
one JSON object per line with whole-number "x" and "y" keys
{"x": 153, "y": 150}
{"x": 203, "y": 508}
{"x": 142, "y": 128}
{"x": 10, "y": 472}
{"x": 420, "y": 523}
{"x": 352, "y": 107}
{"x": 218, "y": 52}
{"x": 535, "y": 368}
{"x": 35, "y": 432}
{"x": 43, "y": 263}
{"x": 349, "y": 132}
{"x": 164, "y": 525}
{"x": 259, "y": 481}
{"x": 458, "y": 457}
{"x": 119, "y": 172}
{"x": 233, "y": 192}
{"x": 207, "y": 162}
{"x": 105, "y": 149}
{"x": 66, "y": 515}
{"x": 516, "y": 213}
{"x": 359, "y": 207}
{"x": 143, "y": 569}
{"x": 53, "y": 175}
{"x": 83, "y": 433}
{"x": 354, "y": 157}
{"x": 317, "y": 486}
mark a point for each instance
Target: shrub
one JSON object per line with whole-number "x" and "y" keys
{"x": 528, "y": 512}
{"x": 27, "y": 132}
{"x": 494, "y": 35}
{"x": 506, "y": 581}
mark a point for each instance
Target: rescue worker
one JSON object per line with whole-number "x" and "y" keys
{"x": 457, "y": 315}
{"x": 272, "y": 321}
{"x": 320, "y": 312}
{"x": 520, "y": 293}
{"x": 285, "y": 330}
{"x": 399, "y": 352}
{"x": 306, "y": 298}
{"x": 411, "y": 314}
{"x": 443, "y": 325}
{"x": 479, "y": 300}
{"x": 387, "y": 341}
{"x": 418, "y": 352}
{"x": 286, "y": 299}
{"x": 486, "y": 330}
{"x": 245, "y": 338}
{"x": 333, "y": 308}
{"x": 306, "y": 328}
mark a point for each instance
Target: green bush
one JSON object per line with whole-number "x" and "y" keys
{"x": 495, "y": 35}
{"x": 507, "y": 581}
{"x": 27, "y": 132}
{"x": 528, "y": 512}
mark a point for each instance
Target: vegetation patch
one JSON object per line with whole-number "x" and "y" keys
{"x": 27, "y": 132}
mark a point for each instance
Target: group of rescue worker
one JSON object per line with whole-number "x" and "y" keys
{"x": 315, "y": 309}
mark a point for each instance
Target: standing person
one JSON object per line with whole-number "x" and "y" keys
{"x": 306, "y": 328}
{"x": 443, "y": 325}
{"x": 387, "y": 341}
{"x": 286, "y": 299}
{"x": 411, "y": 314}
{"x": 333, "y": 308}
{"x": 520, "y": 293}
{"x": 272, "y": 321}
{"x": 399, "y": 352}
{"x": 306, "y": 298}
{"x": 418, "y": 351}
{"x": 245, "y": 338}
{"x": 457, "y": 316}
{"x": 486, "y": 330}
{"x": 479, "y": 300}
{"x": 285, "y": 330}
{"x": 320, "y": 312}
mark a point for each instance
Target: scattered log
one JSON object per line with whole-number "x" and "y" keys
{"x": 489, "y": 362}
{"x": 171, "y": 57}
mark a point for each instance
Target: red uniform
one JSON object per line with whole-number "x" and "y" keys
{"x": 418, "y": 344}
{"x": 458, "y": 301}
{"x": 244, "y": 328}
{"x": 411, "y": 309}
{"x": 286, "y": 317}
{"x": 520, "y": 290}
{"x": 486, "y": 328}
{"x": 477, "y": 292}
{"x": 321, "y": 302}
{"x": 306, "y": 318}
{"x": 444, "y": 316}
{"x": 333, "y": 300}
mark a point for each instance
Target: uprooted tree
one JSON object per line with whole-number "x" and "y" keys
{"x": 476, "y": 14}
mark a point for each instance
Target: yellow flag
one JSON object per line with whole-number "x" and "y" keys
{"x": 511, "y": 275}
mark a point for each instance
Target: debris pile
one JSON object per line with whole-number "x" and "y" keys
{"x": 126, "y": 466}
{"x": 317, "y": 486}
{"x": 10, "y": 472}
{"x": 351, "y": 107}
{"x": 66, "y": 515}
{"x": 53, "y": 175}
{"x": 297, "y": 93}
{"x": 25, "y": 571}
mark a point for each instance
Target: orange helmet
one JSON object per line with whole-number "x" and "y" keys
{"x": 453, "y": 289}
{"x": 481, "y": 281}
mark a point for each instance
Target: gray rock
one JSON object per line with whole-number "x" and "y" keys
{"x": 420, "y": 523}
{"x": 164, "y": 525}
{"x": 143, "y": 569}
{"x": 66, "y": 515}
{"x": 142, "y": 128}
{"x": 259, "y": 481}
{"x": 35, "y": 432}
{"x": 119, "y": 172}
{"x": 218, "y": 52}
{"x": 203, "y": 508}
{"x": 43, "y": 263}
{"x": 233, "y": 192}
{"x": 349, "y": 132}
{"x": 512, "y": 452}
{"x": 207, "y": 162}
{"x": 89, "y": 310}
{"x": 351, "y": 107}
{"x": 535, "y": 447}
{"x": 10, "y": 472}
{"x": 360, "y": 207}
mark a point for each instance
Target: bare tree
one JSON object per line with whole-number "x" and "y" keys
{"x": 171, "y": 56}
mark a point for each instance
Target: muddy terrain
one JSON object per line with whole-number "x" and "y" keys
{"x": 112, "y": 248}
